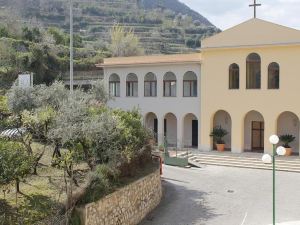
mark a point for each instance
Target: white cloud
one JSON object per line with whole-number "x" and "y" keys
{"x": 227, "y": 13}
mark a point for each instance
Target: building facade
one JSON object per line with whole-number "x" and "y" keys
{"x": 166, "y": 91}
{"x": 245, "y": 79}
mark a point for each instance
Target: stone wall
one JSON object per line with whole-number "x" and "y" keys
{"x": 127, "y": 206}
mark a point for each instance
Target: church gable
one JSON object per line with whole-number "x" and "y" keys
{"x": 254, "y": 32}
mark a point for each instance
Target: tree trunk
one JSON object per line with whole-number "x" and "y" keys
{"x": 87, "y": 156}
{"x": 17, "y": 186}
{"x": 36, "y": 163}
{"x": 56, "y": 152}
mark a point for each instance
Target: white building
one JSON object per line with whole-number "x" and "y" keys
{"x": 164, "y": 88}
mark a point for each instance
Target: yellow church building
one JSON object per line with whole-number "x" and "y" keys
{"x": 246, "y": 80}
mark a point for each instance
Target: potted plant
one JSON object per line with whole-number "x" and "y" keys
{"x": 286, "y": 139}
{"x": 218, "y": 134}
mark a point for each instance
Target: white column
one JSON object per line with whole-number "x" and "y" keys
{"x": 179, "y": 85}
{"x": 270, "y": 129}
{"x": 123, "y": 84}
{"x": 180, "y": 121}
{"x": 237, "y": 134}
{"x": 160, "y": 130}
{"x": 141, "y": 85}
{"x": 160, "y": 85}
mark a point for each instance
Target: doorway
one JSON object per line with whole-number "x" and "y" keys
{"x": 257, "y": 136}
{"x": 195, "y": 133}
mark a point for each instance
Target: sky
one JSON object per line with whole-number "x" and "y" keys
{"x": 227, "y": 13}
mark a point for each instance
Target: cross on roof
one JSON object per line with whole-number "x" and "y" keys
{"x": 254, "y": 6}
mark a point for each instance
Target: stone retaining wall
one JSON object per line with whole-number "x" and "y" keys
{"x": 127, "y": 206}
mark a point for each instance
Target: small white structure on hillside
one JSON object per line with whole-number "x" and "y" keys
{"x": 25, "y": 80}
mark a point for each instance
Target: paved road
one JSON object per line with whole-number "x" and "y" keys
{"x": 225, "y": 196}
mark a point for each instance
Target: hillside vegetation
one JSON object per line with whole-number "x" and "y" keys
{"x": 163, "y": 26}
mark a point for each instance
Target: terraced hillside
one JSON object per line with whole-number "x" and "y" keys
{"x": 164, "y": 26}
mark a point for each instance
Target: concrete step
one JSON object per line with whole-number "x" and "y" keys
{"x": 247, "y": 164}
{"x": 199, "y": 164}
{"x": 243, "y": 162}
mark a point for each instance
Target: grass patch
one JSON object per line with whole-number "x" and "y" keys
{"x": 43, "y": 196}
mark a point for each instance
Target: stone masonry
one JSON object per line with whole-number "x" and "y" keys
{"x": 127, "y": 206}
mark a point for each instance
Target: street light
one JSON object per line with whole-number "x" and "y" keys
{"x": 268, "y": 159}
{"x": 71, "y": 48}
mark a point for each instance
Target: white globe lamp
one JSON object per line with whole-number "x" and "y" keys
{"x": 281, "y": 151}
{"x": 274, "y": 139}
{"x": 267, "y": 159}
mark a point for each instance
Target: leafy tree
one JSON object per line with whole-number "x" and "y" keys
{"x": 4, "y": 31}
{"x": 7, "y": 56}
{"x": 64, "y": 39}
{"x": 20, "y": 99}
{"x": 33, "y": 35}
{"x": 58, "y": 35}
{"x": 3, "y": 107}
{"x": 15, "y": 164}
{"x": 124, "y": 42}
{"x": 35, "y": 109}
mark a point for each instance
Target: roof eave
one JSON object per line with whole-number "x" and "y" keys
{"x": 251, "y": 46}
{"x": 103, "y": 65}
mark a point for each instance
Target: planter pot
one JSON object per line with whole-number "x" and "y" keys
{"x": 220, "y": 147}
{"x": 289, "y": 151}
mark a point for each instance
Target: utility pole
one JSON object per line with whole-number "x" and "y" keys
{"x": 71, "y": 48}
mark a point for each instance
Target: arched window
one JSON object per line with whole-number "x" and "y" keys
{"x": 253, "y": 71}
{"x": 190, "y": 84}
{"x": 234, "y": 76}
{"x": 114, "y": 85}
{"x": 273, "y": 76}
{"x": 169, "y": 85}
{"x": 132, "y": 85}
{"x": 150, "y": 85}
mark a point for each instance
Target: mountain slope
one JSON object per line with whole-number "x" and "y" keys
{"x": 163, "y": 26}
{"x": 177, "y": 7}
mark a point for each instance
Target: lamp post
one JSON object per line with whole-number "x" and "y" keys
{"x": 274, "y": 139}
{"x": 71, "y": 48}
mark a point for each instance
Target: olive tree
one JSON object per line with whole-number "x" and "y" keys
{"x": 15, "y": 163}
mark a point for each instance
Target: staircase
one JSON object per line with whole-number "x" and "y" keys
{"x": 245, "y": 160}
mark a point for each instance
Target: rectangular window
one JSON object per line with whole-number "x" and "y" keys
{"x": 169, "y": 88}
{"x": 190, "y": 88}
{"x": 132, "y": 89}
{"x": 150, "y": 89}
{"x": 114, "y": 89}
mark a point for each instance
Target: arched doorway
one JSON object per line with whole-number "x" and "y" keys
{"x": 288, "y": 123}
{"x": 151, "y": 123}
{"x": 170, "y": 129}
{"x": 254, "y": 134}
{"x": 223, "y": 119}
{"x": 190, "y": 131}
